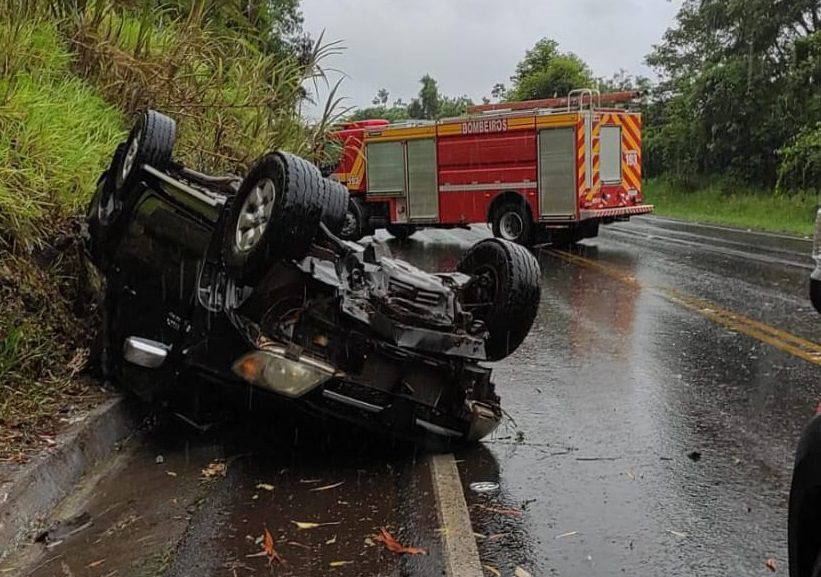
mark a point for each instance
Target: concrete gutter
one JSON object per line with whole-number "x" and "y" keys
{"x": 461, "y": 556}
{"x": 32, "y": 491}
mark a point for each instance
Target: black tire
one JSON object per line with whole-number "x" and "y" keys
{"x": 353, "y": 228}
{"x": 512, "y": 222}
{"x": 401, "y": 232}
{"x": 505, "y": 292}
{"x": 804, "y": 520}
{"x": 285, "y": 228}
{"x": 151, "y": 141}
{"x": 335, "y": 198}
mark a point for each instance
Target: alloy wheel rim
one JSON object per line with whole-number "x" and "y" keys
{"x": 255, "y": 215}
{"x": 131, "y": 155}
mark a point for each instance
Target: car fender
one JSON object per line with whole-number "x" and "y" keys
{"x": 804, "y": 524}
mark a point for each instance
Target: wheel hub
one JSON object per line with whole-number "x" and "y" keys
{"x": 255, "y": 214}
{"x": 349, "y": 227}
{"x": 511, "y": 226}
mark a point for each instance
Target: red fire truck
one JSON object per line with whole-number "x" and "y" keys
{"x": 537, "y": 171}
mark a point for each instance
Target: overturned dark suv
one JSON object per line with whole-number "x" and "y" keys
{"x": 244, "y": 281}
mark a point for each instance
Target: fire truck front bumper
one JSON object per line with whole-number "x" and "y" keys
{"x": 621, "y": 211}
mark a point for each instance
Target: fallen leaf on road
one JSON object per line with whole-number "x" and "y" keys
{"x": 340, "y": 563}
{"x": 302, "y": 525}
{"x": 215, "y": 469}
{"x": 96, "y": 563}
{"x": 492, "y": 570}
{"x": 519, "y": 572}
{"x": 265, "y": 486}
{"x": 500, "y": 510}
{"x": 268, "y": 546}
{"x": 570, "y": 534}
{"x": 395, "y": 546}
{"x": 772, "y": 565}
{"x": 326, "y": 487}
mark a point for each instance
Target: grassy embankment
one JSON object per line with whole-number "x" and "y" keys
{"x": 734, "y": 206}
{"x": 70, "y": 82}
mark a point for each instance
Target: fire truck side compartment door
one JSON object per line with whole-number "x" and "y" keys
{"x": 385, "y": 162}
{"x": 423, "y": 193}
{"x": 557, "y": 174}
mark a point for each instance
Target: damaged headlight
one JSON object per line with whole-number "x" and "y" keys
{"x": 271, "y": 369}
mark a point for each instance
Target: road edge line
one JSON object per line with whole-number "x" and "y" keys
{"x": 35, "y": 489}
{"x": 459, "y": 551}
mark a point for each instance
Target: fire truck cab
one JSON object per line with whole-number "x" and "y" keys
{"x": 537, "y": 171}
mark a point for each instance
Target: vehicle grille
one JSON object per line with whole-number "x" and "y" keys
{"x": 413, "y": 293}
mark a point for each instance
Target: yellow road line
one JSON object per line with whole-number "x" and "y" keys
{"x": 789, "y": 343}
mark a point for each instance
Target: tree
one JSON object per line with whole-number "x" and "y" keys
{"x": 545, "y": 72}
{"x": 381, "y": 98}
{"x": 733, "y": 89}
{"x": 426, "y": 106}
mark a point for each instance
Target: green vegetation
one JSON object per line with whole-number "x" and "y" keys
{"x": 429, "y": 105}
{"x": 72, "y": 76}
{"x": 733, "y": 205}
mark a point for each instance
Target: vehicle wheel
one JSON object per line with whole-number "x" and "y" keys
{"x": 353, "y": 228}
{"x": 151, "y": 141}
{"x": 401, "y": 232}
{"x": 804, "y": 519}
{"x": 504, "y": 293}
{"x": 590, "y": 229}
{"x": 107, "y": 207}
{"x": 335, "y": 200}
{"x": 251, "y": 211}
{"x": 275, "y": 214}
{"x": 512, "y": 222}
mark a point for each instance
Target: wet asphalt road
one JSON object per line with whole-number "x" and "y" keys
{"x": 620, "y": 380}
{"x": 617, "y": 384}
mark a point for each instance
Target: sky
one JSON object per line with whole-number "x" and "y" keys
{"x": 470, "y": 45}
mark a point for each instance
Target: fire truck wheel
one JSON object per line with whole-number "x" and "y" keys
{"x": 504, "y": 293}
{"x": 401, "y": 232}
{"x": 353, "y": 228}
{"x": 512, "y": 222}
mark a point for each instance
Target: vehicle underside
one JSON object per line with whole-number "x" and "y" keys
{"x": 245, "y": 282}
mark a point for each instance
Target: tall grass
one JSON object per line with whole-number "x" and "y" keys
{"x": 733, "y": 205}
{"x": 56, "y": 134}
{"x": 73, "y": 73}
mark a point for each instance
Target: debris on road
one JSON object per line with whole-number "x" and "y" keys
{"x": 694, "y": 456}
{"x": 303, "y": 525}
{"x": 334, "y": 564}
{"x": 492, "y": 570}
{"x": 394, "y": 546}
{"x": 772, "y": 565}
{"x": 265, "y": 486}
{"x": 268, "y": 546}
{"x": 327, "y": 487}
{"x": 678, "y": 534}
{"x": 568, "y": 534}
{"x": 159, "y": 459}
{"x": 484, "y": 487}
{"x": 215, "y": 469}
{"x": 519, "y": 572}
{"x": 499, "y": 510}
